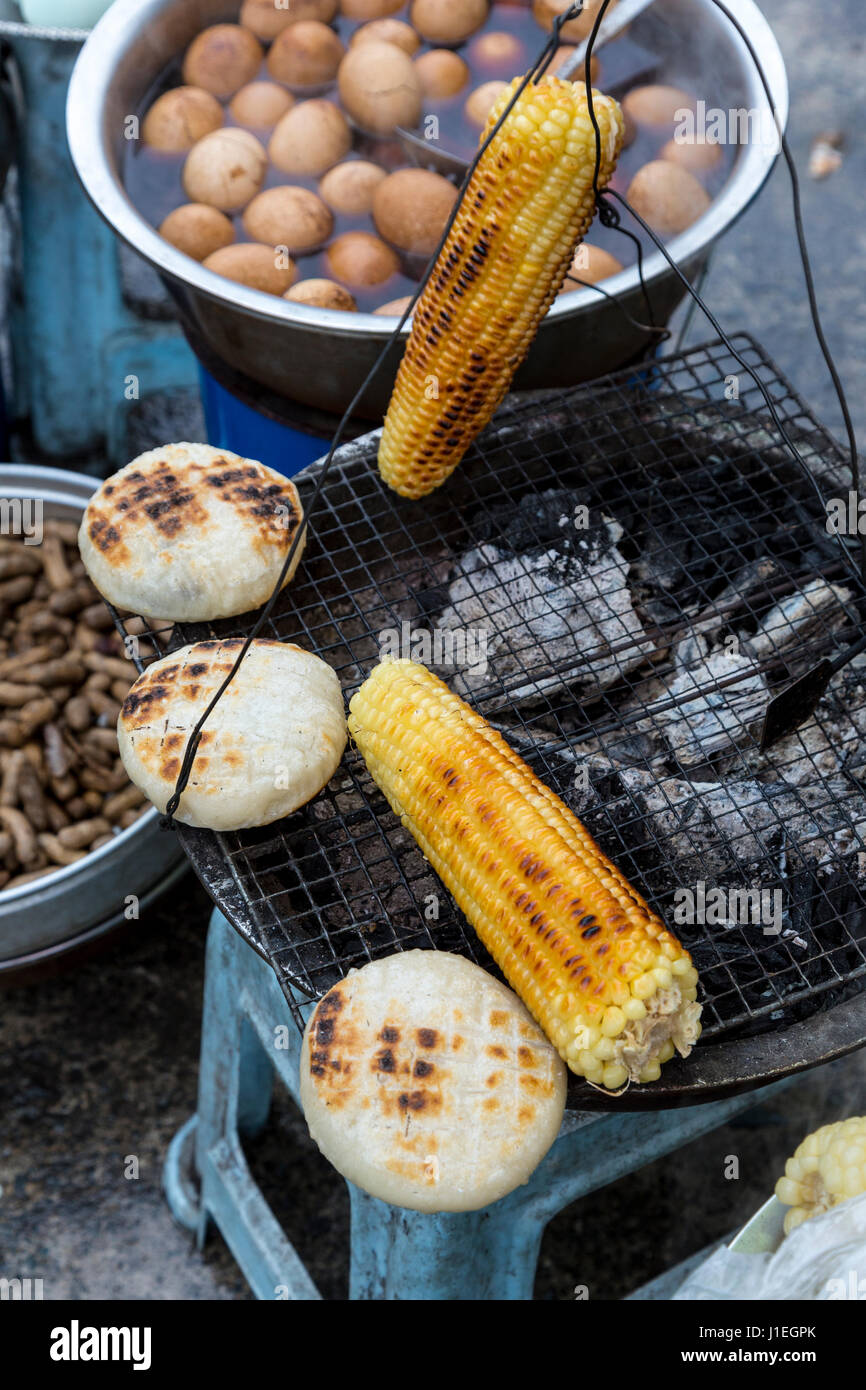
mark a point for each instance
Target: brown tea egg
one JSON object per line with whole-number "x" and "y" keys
{"x": 590, "y": 264}
{"x": 349, "y": 187}
{"x": 564, "y": 51}
{"x": 225, "y": 169}
{"x": 260, "y": 105}
{"x": 369, "y": 9}
{"x": 698, "y": 159}
{"x": 289, "y": 216}
{"x": 395, "y": 308}
{"x": 197, "y": 230}
{"x": 411, "y": 208}
{"x": 442, "y": 73}
{"x": 380, "y": 88}
{"x": 260, "y": 267}
{"x": 546, "y": 11}
{"x": 448, "y": 21}
{"x": 359, "y": 258}
{"x": 667, "y": 196}
{"x": 266, "y": 21}
{"x": 306, "y": 55}
{"x": 656, "y": 105}
{"x": 178, "y": 119}
{"x": 325, "y": 294}
{"x": 310, "y": 138}
{"x": 222, "y": 59}
{"x": 388, "y": 31}
{"x": 498, "y": 49}
{"x": 479, "y": 105}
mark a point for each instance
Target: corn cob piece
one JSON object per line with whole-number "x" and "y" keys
{"x": 612, "y": 988}
{"x": 528, "y": 205}
{"x": 828, "y": 1167}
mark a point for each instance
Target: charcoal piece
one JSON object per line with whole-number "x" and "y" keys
{"x": 719, "y": 696}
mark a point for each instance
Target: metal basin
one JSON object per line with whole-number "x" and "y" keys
{"x": 320, "y": 357}
{"x": 44, "y": 917}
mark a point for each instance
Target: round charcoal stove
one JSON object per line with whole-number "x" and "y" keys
{"x": 647, "y": 565}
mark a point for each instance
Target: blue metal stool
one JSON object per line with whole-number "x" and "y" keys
{"x": 395, "y": 1254}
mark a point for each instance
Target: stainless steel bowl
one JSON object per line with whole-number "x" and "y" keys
{"x": 320, "y": 357}
{"x": 41, "y": 917}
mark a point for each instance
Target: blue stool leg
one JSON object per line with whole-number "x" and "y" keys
{"x": 242, "y": 1006}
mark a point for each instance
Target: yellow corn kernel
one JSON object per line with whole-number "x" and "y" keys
{"x": 555, "y": 913}
{"x": 528, "y": 205}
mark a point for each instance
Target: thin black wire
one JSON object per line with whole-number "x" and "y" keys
{"x": 541, "y": 62}
{"x": 609, "y": 217}
{"x": 662, "y": 334}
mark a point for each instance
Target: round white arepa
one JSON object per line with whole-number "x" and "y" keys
{"x": 272, "y": 742}
{"x": 190, "y": 533}
{"x": 427, "y": 1083}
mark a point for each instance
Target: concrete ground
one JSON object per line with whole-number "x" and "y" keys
{"x": 99, "y": 1065}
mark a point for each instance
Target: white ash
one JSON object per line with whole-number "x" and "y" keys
{"x": 565, "y": 605}
{"x": 819, "y": 608}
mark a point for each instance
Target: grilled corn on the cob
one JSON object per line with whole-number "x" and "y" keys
{"x": 828, "y": 1166}
{"x": 528, "y": 204}
{"x": 614, "y": 991}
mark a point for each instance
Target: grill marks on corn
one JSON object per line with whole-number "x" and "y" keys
{"x": 529, "y": 203}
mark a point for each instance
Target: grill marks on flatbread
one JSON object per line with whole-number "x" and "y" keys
{"x": 190, "y": 532}
{"x": 272, "y": 742}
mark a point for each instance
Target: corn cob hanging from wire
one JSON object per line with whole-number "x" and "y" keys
{"x": 528, "y": 205}
{"x": 612, "y": 988}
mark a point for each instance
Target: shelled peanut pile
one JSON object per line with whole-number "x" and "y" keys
{"x": 64, "y": 674}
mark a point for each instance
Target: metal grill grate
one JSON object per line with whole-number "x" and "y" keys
{"x": 636, "y": 703}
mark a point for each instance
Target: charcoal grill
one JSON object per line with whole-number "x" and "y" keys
{"x": 723, "y": 536}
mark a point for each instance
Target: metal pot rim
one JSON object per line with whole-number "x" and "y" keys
{"x": 88, "y": 144}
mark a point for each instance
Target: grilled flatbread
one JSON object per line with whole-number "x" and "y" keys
{"x": 426, "y": 1082}
{"x": 273, "y": 741}
{"x": 188, "y": 532}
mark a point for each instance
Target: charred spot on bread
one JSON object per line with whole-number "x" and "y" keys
{"x": 427, "y": 1037}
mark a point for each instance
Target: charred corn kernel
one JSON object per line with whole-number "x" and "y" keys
{"x": 528, "y": 205}
{"x": 555, "y": 913}
{"x": 828, "y": 1167}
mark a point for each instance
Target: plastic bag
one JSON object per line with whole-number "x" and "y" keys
{"x": 822, "y": 1260}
